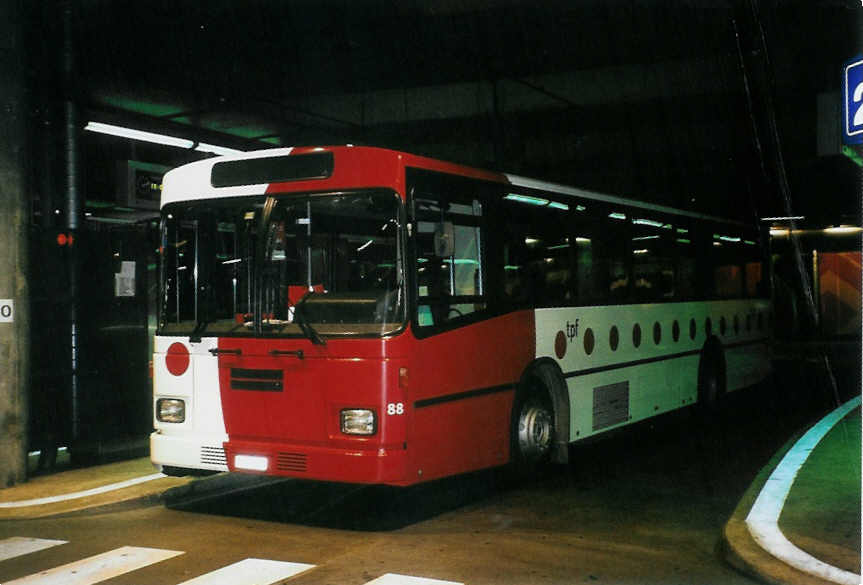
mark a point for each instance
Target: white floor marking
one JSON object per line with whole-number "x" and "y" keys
{"x": 251, "y": 572}
{"x": 20, "y": 545}
{"x": 393, "y": 579}
{"x": 763, "y": 518}
{"x": 82, "y": 494}
{"x": 98, "y": 568}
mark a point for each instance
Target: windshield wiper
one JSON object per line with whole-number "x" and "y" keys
{"x": 303, "y": 322}
{"x": 197, "y": 333}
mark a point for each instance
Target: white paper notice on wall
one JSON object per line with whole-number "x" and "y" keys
{"x": 7, "y": 311}
{"x": 124, "y": 281}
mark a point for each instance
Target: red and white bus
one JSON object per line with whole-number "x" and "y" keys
{"x": 363, "y": 315}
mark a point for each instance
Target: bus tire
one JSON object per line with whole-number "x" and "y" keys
{"x": 711, "y": 377}
{"x": 532, "y": 436}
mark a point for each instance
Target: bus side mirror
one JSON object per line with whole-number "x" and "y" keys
{"x": 444, "y": 239}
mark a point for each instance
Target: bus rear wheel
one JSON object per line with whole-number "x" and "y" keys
{"x": 711, "y": 378}
{"x": 532, "y": 429}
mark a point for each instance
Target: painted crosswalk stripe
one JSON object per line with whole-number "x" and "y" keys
{"x": 394, "y": 579}
{"x": 251, "y": 572}
{"x": 22, "y": 545}
{"x": 98, "y": 568}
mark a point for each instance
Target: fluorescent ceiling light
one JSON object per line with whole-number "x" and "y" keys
{"x": 204, "y": 147}
{"x": 843, "y": 229}
{"x": 138, "y": 135}
{"x": 154, "y": 138}
{"x": 527, "y": 199}
{"x": 530, "y": 200}
{"x": 650, "y": 222}
{"x": 784, "y": 218}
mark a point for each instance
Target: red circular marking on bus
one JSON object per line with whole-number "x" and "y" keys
{"x": 560, "y": 345}
{"x": 177, "y": 359}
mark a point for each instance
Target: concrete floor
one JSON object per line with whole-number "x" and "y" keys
{"x": 646, "y": 506}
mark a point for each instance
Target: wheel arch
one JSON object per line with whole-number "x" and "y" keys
{"x": 711, "y": 362}
{"x": 546, "y": 372}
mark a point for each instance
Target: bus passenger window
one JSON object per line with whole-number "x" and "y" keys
{"x": 538, "y": 252}
{"x": 728, "y": 269}
{"x": 610, "y": 257}
{"x": 653, "y": 266}
{"x": 753, "y": 279}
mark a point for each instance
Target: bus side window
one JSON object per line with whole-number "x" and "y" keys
{"x": 450, "y": 272}
{"x": 653, "y": 259}
{"x": 537, "y": 252}
{"x": 728, "y": 270}
{"x": 611, "y": 249}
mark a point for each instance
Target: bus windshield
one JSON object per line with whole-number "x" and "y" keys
{"x": 285, "y": 266}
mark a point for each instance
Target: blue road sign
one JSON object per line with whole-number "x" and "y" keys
{"x": 852, "y": 104}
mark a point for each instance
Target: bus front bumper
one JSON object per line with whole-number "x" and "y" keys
{"x": 372, "y": 466}
{"x": 188, "y": 453}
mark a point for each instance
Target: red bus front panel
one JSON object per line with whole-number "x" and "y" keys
{"x": 286, "y": 407}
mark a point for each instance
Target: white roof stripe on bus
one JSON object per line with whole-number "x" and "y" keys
{"x": 192, "y": 181}
{"x": 557, "y": 188}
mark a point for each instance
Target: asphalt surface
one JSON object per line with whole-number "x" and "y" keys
{"x": 646, "y": 506}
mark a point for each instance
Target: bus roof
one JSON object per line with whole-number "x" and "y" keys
{"x": 352, "y": 169}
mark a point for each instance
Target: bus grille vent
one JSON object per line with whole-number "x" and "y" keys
{"x": 213, "y": 456}
{"x": 610, "y": 405}
{"x": 291, "y": 462}
{"x": 256, "y": 380}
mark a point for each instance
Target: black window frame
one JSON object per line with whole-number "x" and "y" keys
{"x": 483, "y": 191}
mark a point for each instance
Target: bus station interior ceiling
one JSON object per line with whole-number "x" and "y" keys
{"x": 657, "y": 100}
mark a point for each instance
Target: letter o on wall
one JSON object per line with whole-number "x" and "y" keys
{"x": 613, "y": 338}
{"x": 636, "y": 335}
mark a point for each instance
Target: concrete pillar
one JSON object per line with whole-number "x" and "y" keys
{"x": 14, "y": 214}
{"x": 71, "y": 160}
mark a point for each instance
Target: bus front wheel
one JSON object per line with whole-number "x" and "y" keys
{"x": 532, "y": 428}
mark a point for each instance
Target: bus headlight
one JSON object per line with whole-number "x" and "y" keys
{"x": 170, "y": 410}
{"x": 358, "y": 421}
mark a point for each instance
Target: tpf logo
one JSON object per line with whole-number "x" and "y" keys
{"x": 565, "y": 337}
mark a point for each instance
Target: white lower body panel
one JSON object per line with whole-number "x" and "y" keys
{"x": 195, "y": 452}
